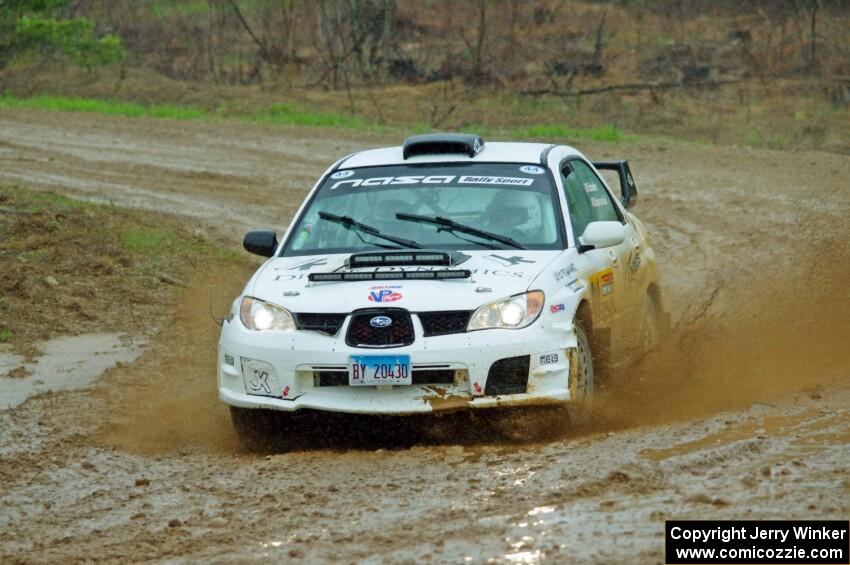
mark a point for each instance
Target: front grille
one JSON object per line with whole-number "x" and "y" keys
{"x": 443, "y": 323}
{"x": 325, "y": 323}
{"x": 434, "y": 377}
{"x": 361, "y": 333}
{"x": 420, "y": 377}
{"x": 508, "y": 376}
{"x": 330, "y": 378}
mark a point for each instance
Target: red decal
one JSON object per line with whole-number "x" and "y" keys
{"x": 477, "y": 388}
{"x": 286, "y": 391}
{"x": 385, "y": 295}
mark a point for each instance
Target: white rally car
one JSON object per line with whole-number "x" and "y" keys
{"x": 443, "y": 274}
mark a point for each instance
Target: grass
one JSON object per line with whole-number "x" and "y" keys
{"x": 283, "y": 114}
{"x": 544, "y": 131}
{"x": 149, "y": 240}
{"x": 154, "y": 242}
{"x": 5, "y": 335}
{"x": 286, "y": 115}
{"x": 163, "y": 9}
{"x": 53, "y": 199}
{"x": 606, "y": 133}
{"x": 33, "y": 255}
{"x": 108, "y": 107}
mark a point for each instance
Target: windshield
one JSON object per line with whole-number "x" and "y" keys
{"x": 514, "y": 201}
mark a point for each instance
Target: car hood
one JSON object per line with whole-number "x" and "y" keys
{"x": 495, "y": 274}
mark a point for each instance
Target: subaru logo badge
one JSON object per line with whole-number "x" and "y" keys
{"x": 381, "y": 322}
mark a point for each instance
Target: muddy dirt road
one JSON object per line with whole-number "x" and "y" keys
{"x": 744, "y": 413}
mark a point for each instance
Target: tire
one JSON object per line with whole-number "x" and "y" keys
{"x": 649, "y": 332}
{"x": 255, "y": 428}
{"x": 582, "y": 378}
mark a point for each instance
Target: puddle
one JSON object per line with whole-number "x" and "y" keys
{"x": 68, "y": 363}
{"x": 770, "y": 426}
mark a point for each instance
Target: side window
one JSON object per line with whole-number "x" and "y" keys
{"x": 587, "y": 198}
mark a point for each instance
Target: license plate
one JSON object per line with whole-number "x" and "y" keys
{"x": 379, "y": 370}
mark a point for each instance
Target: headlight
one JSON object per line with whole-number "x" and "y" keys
{"x": 516, "y": 312}
{"x": 258, "y": 315}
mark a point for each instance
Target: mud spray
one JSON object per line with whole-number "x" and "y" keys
{"x": 746, "y": 337}
{"x": 170, "y": 397}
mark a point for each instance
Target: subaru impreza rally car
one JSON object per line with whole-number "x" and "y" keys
{"x": 447, "y": 273}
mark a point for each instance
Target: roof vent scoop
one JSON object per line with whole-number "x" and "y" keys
{"x": 443, "y": 143}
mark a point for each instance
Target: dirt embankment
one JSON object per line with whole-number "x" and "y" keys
{"x": 69, "y": 267}
{"x": 742, "y": 413}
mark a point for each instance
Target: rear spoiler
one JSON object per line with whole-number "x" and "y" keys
{"x": 628, "y": 190}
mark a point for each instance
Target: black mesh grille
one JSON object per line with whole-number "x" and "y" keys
{"x": 361, "y": 333}
{"x": 330, "y": 378}
{"x": 508, "y": 376}
{"x": 325, "y": 323}
{"x": 434, "y": 377}
{"x": 442, "y": 323}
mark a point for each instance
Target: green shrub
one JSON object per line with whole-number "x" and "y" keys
{"x": 33, "y": 26}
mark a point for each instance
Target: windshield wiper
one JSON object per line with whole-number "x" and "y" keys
{"x": 350, "y": 223}
{"x": 448, "y": 224}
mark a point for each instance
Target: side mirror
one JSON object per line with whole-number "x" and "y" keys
{"x": 260, "y": 242}
{"x": 602, "y": 234}
{"x": 628, "y": 190}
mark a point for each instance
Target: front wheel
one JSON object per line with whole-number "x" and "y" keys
{"x": 582, "y": 380}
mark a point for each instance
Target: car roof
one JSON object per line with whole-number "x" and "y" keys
{"x": 492, "y": 152}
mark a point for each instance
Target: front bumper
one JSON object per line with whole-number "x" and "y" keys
{"x": 291, "y": 362}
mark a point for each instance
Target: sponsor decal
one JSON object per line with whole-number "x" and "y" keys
{"x": 531, "y": 170}
{"x": 508, "y": 261}
{"x": 383, "y": 181}
{"x": 477, "y": 388}
{"x": 342, "y": 174}
{"x": 549, "y": 358}
{"x": 260, "y": 381}
{"x": 602, "y": 283}
{"x": 590, "y": 187}
{"x": 381, "y": 322}
{"x": 555, "y": 308}
{"x": 501, "y": 181}
{"x": 303, "y": 265}
{"x": 384, "y": 295}
{"x": 607, "y": 283}
{"x": 429, "y": 179}
{"x": 635, "y": 260}
{"x": 563, "y": 276}
{"x": 286, "y": 391}
{"x": 598, "y": 202}
{"x": 575, "y": 286}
